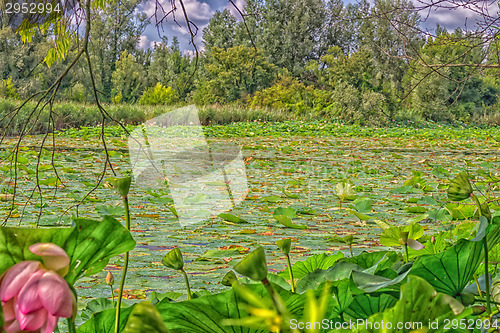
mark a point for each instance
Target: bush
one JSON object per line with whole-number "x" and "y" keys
{"x": 8, "y": 90}
{"x": 159, "y": 94}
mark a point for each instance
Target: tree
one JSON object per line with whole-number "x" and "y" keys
{"x": 233, "y": 74}
{"x": 115, "y": 29}
{"x": 389, "y": 30}
{"x": 170, "y": 67}
{"x": 290, "y": 32}
{"x": 128, "y": 79}
{"x": 220, "y": 31}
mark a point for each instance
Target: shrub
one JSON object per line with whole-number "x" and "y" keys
{"x": 158, "y": 94}
{"x": 8, "y": 90}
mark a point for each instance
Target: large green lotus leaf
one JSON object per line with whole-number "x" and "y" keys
{"x": 104, "y": 322}
{"x": 93, "y": 243}
{"x": 342, "y": 297}
{"x": 205, "y": 314}
{"x": 89, "y": 244}
{"x": 365, "y": 305}
{"x": 375, "y": 261}
{"x": 341, "y": 270}
{"x": 317, "y": 261}
{"x": 370, "y": 283}
{"x": 450, "y": 271}
{"x": 418, "y": 303}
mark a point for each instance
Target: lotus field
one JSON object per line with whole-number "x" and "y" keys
{"x": 251, "y": 227}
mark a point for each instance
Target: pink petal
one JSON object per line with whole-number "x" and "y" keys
{"x": 416, "y": 245}
{"x": 12, "y": 326}
{"x": 56, "y": 296}
{"x": 53, "y": 256}
{"x": 31, "y": 321}
{"x": 51, "y": 324}
{"x": 16, "y": 277}
{"x": 28, "y": 300}
{"x": 8, "y": 310}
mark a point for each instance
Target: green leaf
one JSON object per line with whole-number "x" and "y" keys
{"x": 363, "y": 205}
{"x": 370, "y": 283}
{"x": 290, "y": 212}
{"x": 272, "y": 199}
{"x": 460, "y": 187}
{"x": 232, "y": 218}
{"x": 96, "y": 305}
{"x": 145, "y": 318}
{"x": 379, "y": 259}
{"x": 481, "y": 230}
{"x": 365, "y": 305}
{"x": 104, "y": 322}
{"x": 341, "y": 270}
{"x": 287, "y": 222}
{"x": 93, "y": 243}
{"x": 317, "y": 261}
{"x": 450, "y": 271}
{"x": 206, "y": 314}
{"x": 217, "y": 254}
{"x": 419, "y": 303}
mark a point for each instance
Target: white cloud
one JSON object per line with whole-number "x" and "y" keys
{"x": 145, "y": 42}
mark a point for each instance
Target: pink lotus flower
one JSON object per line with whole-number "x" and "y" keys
{"x": 33, "y": 295}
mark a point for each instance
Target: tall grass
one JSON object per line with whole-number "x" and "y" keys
{"x": 75, "y": 115}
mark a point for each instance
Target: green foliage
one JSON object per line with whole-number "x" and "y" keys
{"x": 159, "y": 94}
{"x": 8, "y": 90}
{"x": 128, "y": 78}
{"x": 145, "y": 318}
{"x": 232, "y": 74}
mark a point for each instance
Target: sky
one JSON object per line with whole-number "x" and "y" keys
{"x": 200, "y": 12}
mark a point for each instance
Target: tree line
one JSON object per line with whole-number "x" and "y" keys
{"x": 359, "y": 62}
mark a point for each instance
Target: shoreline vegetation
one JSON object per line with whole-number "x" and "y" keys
{"x": 68, "y": 116}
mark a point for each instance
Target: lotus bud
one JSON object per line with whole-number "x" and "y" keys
{"x": 253, "y": 265}
{"x": 173, "y": 259}
{"x": 284, "y": 245}
{"x": 229, "y": 279}
{"x": 110, "y": 280}
{"x": 53, "y": 257}
{"x": 122, "y": 185}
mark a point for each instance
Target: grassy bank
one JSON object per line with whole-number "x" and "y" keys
{"x": 242, "y": 120}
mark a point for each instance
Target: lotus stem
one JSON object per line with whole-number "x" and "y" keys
{"x": 113, "y": 296}
{"x": 486, "y": 271}
{"x": 125, "y": 267}
{"x": 190, "y": 296}
{"x": 71, "y": 325}
{"x": 292, "y": 281}
{"x": 407, "y": 255}
{"x": 350, "y": 249}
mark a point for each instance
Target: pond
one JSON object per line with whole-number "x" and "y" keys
{"x": 298, "y": 172}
